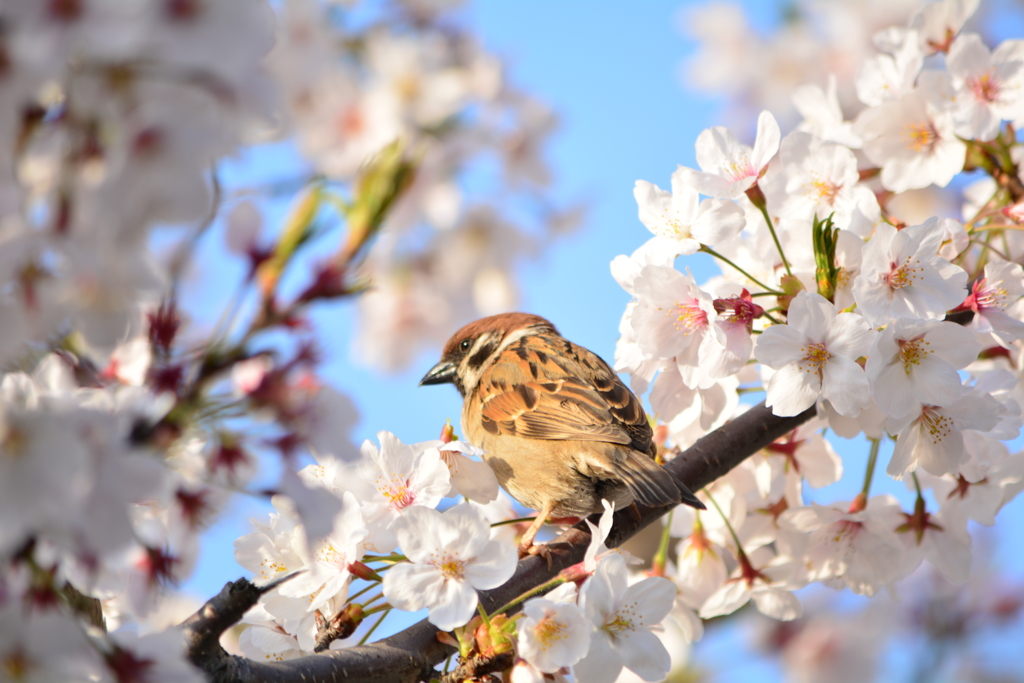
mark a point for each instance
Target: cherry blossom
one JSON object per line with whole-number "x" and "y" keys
{"x": 932, "y": 436}
{"x": 902, "y": 275}
{"x": 680, "y": 221}
{"x": 728, "y": 167}
{"x": 552, "y": 635}
{"x": 852, "y": 544}
{"x": 917, "y": 361}
{"x": 450, "y": 558}
{"x": 995, "y": 301}
{"x": 622, "y": 616}
{"x": 989, "y": 84}
{"x": 815, "y": 356}
{"x": 763, "y": 578}
{"x": 913, "y": 140}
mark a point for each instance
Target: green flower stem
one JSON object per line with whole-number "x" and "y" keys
{"x": 732, "y": 532}
{"x": 366, "y": 636}
{"x": 869, "y": 474}
{"x": 778, "y": 245}
{"x": 557, "y": 581}
{"x": 661, "y": 557}
{"x": 768, "y": 290}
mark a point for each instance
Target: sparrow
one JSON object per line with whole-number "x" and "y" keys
{"x": 556, "y": 424}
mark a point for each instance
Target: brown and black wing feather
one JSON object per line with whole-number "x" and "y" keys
{"x": 571, "y": 394}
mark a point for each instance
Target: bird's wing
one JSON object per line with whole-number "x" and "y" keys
{"x": 550, "y": 388}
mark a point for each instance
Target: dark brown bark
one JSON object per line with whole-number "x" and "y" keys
{"x": 412, "y": 654}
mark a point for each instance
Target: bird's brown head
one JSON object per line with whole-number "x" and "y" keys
{"x": 470, "y": 349}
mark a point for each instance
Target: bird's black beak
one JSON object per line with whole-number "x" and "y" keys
{"x": 443, "y": 372}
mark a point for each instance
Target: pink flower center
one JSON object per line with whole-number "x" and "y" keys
{"x": 826, "y": 190}
{"x": 450, "y": 566}
{"x": 989, "y": 297}
{"x": 903, "y": 275}
{"x": 984, "y": 87}
{"x": 689, "y": 317}
{"x": 398, "y": 493}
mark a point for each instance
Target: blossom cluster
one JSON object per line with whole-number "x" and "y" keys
{"x": 124, "y": 428}
{"x": 598, "y": 621}
{"x": 828, "y": 300}
{"x": 349, "y": 87}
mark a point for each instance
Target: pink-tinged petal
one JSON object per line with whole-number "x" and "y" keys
{"x": 718, "y": 220}
{"x": 598, "y": 593}
{"x": 950, "y": 555}
{"x": 602, "y": 663}
{"x": 845, "y": 386}
{"x": 792, "y": 390}
{"x": 954, "y": 343}
{"x": 780, "y": 345}
{"x": 453, "y": 605}
{"x": 463, "y": 530}
{"x": 726, "y": 600}
{"x": 895, "y": 395}
{"x": 935, "y": 382}
{"x": 939, "y": 453}
{"x": 813, "y": 314}
{"x": 493, "y": 566}
{"x": 416, "y": 531}
{"x": 412, "y": 587}
{"x": 653, "y": 596}
{"x": 777, "y": 603}
{"x": 767, "y": 142}
{"x": 710, "y": 184}
{"x": 849, "y": 335}
{"x": 643, "y": 654}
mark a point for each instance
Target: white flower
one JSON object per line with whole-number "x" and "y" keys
{"x": 552, "y": 635}
{"x": 622, "y": 617}
{"x": 470, "y": 478}
{"x": 932, "y": 436}
{"x": 729, "y": 168}
{"x": 815, "y": 355}
{"x": 673, "y": 317}
{"x": 700, "y": 569}
{"x": 450, "y": 557}
{"x": 902, "y": 276}
{"x": 822, "y": 180}
{"x": 762, "y": 578}
{"x": 265, "y": 639}
{"x": 823, "y": 117}
{"x": 991, "y": 296}
{"x": 990, "y": 85}
{"x": 916, "y": 361}
{"x": 914, "y": 142}
{"x": 680, "y": 221}
{"x": 886, "y": 78}
{"x": 857, "y": 548}
{"x": 390, "y": 480}
{"x": 937, "y": 23}
{"x": 941, "y": 538}
{"x": 327, "y": 575}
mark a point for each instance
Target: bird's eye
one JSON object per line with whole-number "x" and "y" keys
{"x": 464, "y": 345}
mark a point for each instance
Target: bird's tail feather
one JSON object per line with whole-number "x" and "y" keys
{"x": 652, "y": 485}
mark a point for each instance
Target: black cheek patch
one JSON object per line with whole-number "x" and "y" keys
{"x": 477, "y": 360}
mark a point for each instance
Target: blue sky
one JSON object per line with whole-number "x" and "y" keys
{"x": 611, "y": 72}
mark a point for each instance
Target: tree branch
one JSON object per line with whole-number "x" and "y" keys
{"x": 411, "y": 655}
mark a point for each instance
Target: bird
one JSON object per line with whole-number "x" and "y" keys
{"x": 557, "y": 426}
